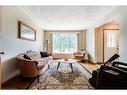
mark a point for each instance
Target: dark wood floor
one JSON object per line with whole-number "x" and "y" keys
{"x": 19, "y": 83}
{"x": 25, "y": 83}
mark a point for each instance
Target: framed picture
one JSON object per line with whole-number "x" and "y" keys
{"x": 26, "y": 32}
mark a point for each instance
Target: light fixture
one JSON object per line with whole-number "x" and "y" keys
{"x": 46, "y": 42}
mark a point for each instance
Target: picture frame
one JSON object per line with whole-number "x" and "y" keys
{"x": 26, "y": 32}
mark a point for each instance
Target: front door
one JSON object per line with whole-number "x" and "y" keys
{"x": 111, "y": 43}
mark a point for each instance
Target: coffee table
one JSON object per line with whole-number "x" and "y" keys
{"x": 70, "y": 62}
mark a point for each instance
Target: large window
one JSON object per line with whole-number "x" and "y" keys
{"x": 64, "y": 43}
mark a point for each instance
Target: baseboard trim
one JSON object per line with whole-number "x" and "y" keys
{"x": 99, "y": 62}
{"x": 10, "y": 80}
{"x": 91, "y": 62}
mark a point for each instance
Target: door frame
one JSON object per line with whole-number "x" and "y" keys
{"x": 104, "y": 40}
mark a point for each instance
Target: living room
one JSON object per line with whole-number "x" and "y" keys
{"x": 61, "y": 34}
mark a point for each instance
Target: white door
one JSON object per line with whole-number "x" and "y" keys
{"x": 111, "y": 43}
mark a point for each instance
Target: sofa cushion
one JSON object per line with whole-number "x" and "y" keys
{"x": 26, "y": 57}
{"x": 40, "y": 66}
{"x": 44, "y": 54}
{"x": 34, "y": 55}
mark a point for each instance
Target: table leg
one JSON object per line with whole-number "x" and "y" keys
{"x": 71, "y": 67}
{"x": 58, "y": 65}
{"x": 49, "y": 64}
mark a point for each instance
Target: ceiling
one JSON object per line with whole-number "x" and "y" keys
{"x": 65, "y": 17}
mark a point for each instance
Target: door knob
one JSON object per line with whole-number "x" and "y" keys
{"x": 2, "y": 52}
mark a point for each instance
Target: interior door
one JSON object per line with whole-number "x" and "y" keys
{"x": 111, "y": 43}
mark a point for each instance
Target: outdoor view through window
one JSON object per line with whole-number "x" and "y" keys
{"x": 64, "y": 43}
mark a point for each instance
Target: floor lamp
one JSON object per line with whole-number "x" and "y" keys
{"x": 46, "y": 44}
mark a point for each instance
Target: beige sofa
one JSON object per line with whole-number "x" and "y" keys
{"x": 34, "y": 67}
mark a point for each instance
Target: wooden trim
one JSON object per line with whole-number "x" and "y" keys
{"x": 10, "y": 80}
{"x": 1, "y": 52}
{"x": 90, "y": 62}
{"x": 110, "y": 29}
{"x": 103, "y": 45}
{"x": 99, "y": 62}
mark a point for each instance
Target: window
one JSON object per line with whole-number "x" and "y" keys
{"x": 64, "y": 43}
{"x": 111, "y": 39}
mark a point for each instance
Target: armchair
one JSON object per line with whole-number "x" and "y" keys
{"x": 80, "y": 55}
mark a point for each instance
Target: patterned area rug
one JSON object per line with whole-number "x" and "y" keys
{"x": 64, "y": 78}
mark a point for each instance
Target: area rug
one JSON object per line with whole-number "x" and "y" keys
{"x": 64, "y": 78}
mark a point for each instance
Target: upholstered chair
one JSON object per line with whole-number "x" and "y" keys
{"x": 80, "y": 55}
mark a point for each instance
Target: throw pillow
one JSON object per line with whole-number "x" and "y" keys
{"x": 44, "y": 54}
{"x": 26, "y": 57}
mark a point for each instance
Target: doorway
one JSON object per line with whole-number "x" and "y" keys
{"x": 110, "y": 42}
{"x": 106, "y": 41}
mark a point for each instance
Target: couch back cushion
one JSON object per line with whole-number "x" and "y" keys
{"x": 34, "y": 55}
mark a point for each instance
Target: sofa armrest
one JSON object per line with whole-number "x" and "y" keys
{"x": 28, "y": 68}
{"x": 36, "y": 64}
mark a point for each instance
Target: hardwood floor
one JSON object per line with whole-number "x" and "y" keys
{"x": 90, "y": 66}
{"x": 24, "y": 83}
{"x": 19, "y": 83}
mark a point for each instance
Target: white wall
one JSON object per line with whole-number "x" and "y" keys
{"x": 0, "y": 46}
{"x": 11, "y": 45}
{"x": 121, "y": 14}
{"x": 0, "y": 27}
{"x": 90, "y": 43}
{"x": 123, "y": 38}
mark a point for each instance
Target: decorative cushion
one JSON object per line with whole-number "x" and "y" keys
{"x": 26, "y": 57}
{"x": 34, "y": 55}
{"x": 40, "y": 66}
{"x": 44, "y": 54}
